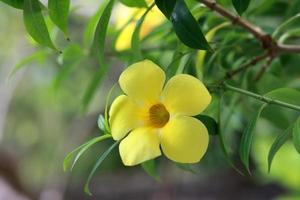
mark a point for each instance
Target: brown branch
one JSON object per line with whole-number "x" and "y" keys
{"x": 266, "y": 40}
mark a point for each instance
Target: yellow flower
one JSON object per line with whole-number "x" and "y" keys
{"x": 151, "y": 115}
{"x": 153, "y": 19}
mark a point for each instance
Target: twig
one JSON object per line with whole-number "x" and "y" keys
{"x": 266, "y": 40}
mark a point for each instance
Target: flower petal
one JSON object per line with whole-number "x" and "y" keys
{"x": 143, "y": 81}
{"x": 123, "y": 117}
{"x": 184, "y": 94}
{"x": 184, "y": 139}
{"x": 140, "y": 145}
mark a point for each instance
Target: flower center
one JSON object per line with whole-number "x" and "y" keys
{"x": 158, "y": 115}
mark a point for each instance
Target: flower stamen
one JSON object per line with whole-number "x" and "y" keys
{"x": 158, "y": 115}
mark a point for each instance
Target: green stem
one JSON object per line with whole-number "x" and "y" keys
{"x": 260, "y": 97}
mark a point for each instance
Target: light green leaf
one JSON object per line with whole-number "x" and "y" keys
{"x": 150, "y": 168}
{"x": 296, "y": 135}
{"x": 96, "y": 166}
{"x": 97, "y": 50}
{"x": 77, "y": 153}
{"x": 35, "y": 23}
{"x": 286, "y": 26}
{"x": 247, "y": 138}
{"x": 287, "y": 95}
{"x": 134, "y": 3}
{"x": 58, "y": 12}
{"x": 241, "y": 5}
{"x": 277, "y": 144}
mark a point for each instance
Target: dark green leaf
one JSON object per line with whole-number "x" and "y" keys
{"x": 134, "y": 3}
{"x": 240, "y": 5}
{"x": 210, "y": 123}
{"x": 135, "y": 40}
{"x": 296, "y": 135}
{"x": 80, "y": 150}
{"x": 247, "y": 137}
{"x": 287, "y": 95}
{"x": 35, "y": 23}
{"x": 279, "y": 141}
{"x": 187, "y": 28}
{"x": 150, "y": 168}
{"x": 166, "y": 7}
{"x": 58, "y": 12}
{"x": 14, "y": 3}
{"x": 98, "y": 163}
{"x": 98, "y": 51}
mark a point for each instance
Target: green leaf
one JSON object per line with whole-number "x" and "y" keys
{"x": 101, "y": 123}
{"x": 58, "y": 12}
{"x": 97, "y": 164}
{"x": 186, "y": 167}
{"x": 187, "y": 28}
{"x": 35, "y": 23}
{"x": 80, "y": 150}
{"x": 135, "y": 40}
{"x": 287, "y": 95}
{"x": 106, "y": 112}
{"x": 97, "y": 50}
{"x": 14, "y": 3}
{"x": 210, "y": 123}
{"x": 247, "y": 137}
{"x": 279, "y": 141}
{"x": 72, "y": 57}
{"x": 286, "y": 26}
{"x": 240, "y": 5}
{"x": 150, "y": 168}
{"x": 166, "y": 7}
{"x": 134, "y": 3}
{"x": 296, "y": 135}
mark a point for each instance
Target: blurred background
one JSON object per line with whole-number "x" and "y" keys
{"x": 41, "y": 121}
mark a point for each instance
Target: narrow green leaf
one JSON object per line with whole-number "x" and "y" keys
{"x": 97, "y": 164}
{"x": 186, "y": 167}
{"x": 35, "y": 23}
{"x": 14, "y": 3}
{"x": 296, "y": 135}
{"x": 187, "y": 28}
{"x": 240, "y": 5}
{"x": 150, "y": 168}
{"x": 134, "y": 3}
{"x": 72, "y": 154}
{"x": 101, "y": 123}
{"x": 210, "y": 123}
{"x": 277, "y": 144}
{"x": 166, "y": 6}
{"x": 247, "y": 137}
{"x": 135, "y": 40}
{"x": 287, "y": 95}
{"x": 106, "y": 112}
{"x": 287, "y": 25}
{"x": 97, "y": 50}
{"x": 58, "y": 12}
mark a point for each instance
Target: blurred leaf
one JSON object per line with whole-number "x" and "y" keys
{"x": 247, "y": 137}
{"x": 35, "y": 23}
{"x": 101, "y": 123}
{"x": 36, "y": 56}
{"x": 287, "y": 95}
{"x": 89, "y": 31}
{"x": 97, "y": 164}
{"x": 106, "y": 112}
{"x": 186, "y": 167}
{"x": 135, "y": 40}
{"x": 166, "y": 6}
{"x": 72, "y": 56}
{"x": 279, "y": 141}
{"x": 240, "y": 5}
{"x": 58, "y": 12}
{"x": 98, "y": 51}
{"x": 291, "y": 23}
{"x": 14, "y": 3}
{"x": 150, "y": 168}
{"x": 210, "y": 123}
{"x": 80, "y": 150}
{"x": 187, "y": 28}
{"x": 296, "y": 135}
{"x": 134, "y": 3}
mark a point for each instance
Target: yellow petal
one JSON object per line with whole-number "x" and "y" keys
{"x": 140, "y": 145}
{"x": 184, "y": 94}
{"x": 184, "y": 139}
{"x": 124, "y": 39}
{"x": 143, "y": 81}
{"x": 123, "y": 117}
